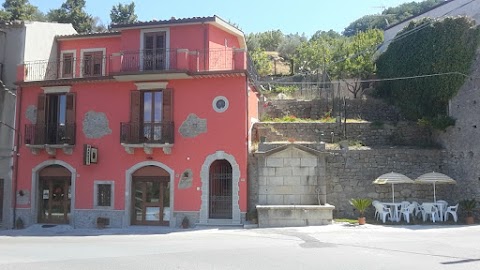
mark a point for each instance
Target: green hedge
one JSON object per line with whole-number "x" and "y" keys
{"x": 427, "y": 47}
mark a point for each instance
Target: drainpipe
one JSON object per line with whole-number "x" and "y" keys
{"x": 205, "y": 46}
{"x": 18, "y": 111}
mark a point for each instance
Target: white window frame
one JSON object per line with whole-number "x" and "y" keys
{"x": 95, "y": 194}
{"x": 167, "y": 43}
{"x": 82, "y": 54}
{"x": 74, "y": 62}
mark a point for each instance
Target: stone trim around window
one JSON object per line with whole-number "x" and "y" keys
{"x": 95, "y": 194}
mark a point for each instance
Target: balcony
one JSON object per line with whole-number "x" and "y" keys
{"x": 147, "y": 136}
{"x": 50, "y": 136}
{"x": 138, "y": 65}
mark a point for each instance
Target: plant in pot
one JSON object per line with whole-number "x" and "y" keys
{"x": 468, "y": 205}
{"x": 361, "y": 204}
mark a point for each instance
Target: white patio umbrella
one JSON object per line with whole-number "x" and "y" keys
{"x": 392, "y": 178}
{"x": 434, "y": 178}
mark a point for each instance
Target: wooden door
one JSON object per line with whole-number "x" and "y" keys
{"x": 54, "y": 200}
{"x": 150, "y": 200}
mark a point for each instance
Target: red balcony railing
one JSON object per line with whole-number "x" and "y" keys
{"x": 143, "y": 61}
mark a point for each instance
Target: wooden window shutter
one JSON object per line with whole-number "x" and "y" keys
{"x": 135, "y": 107}
{"x": 70, "y": 119}
{"x": 40, "y": 126}
{"x": 167, "y": 105}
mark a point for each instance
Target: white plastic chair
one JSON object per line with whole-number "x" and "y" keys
{"x": 429, "y": 209}
{"x": 383, "y": 212}
{"x": 418, "y": 208}
{"x": 407, "y": 211}
{"x": 453, "y": 211}
{"x": 374, "y": 203}
{"x": 442, "y": 207}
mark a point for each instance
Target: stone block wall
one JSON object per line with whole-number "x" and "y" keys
{"x": 289, "y": 177}
{"x": 367, "y": 109}
{"x": 401, "y": 133}
{"x": 350, "y": 175}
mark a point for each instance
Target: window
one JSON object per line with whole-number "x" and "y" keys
{"x": 103, "y": 197}
{"x": 55, "y": 120}
{"x": 154, "y": 54}
{"x": 67, "y": 65}
{"x": 220, "y": 104}
{"x": 150, "y": 119}
{"x": 93, "y": 64}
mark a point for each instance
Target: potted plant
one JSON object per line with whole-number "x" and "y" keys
{"x": 361, "y": 205}
{"x": 185, "y": 222}
{"x": 468, "y": 206}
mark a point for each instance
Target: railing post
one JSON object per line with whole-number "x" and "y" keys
{"x": 182, "y": 59}
{"x": 240, "y": 58}
{"x": 116, "y": 62}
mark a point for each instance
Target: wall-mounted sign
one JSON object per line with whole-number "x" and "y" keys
{"x": 90, "y": 154}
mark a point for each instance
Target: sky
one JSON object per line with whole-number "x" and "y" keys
{"x": 290, "y": 16}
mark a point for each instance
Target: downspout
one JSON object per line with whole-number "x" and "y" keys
{"x": 18, "y": 111}
{"x": 205, "y": 46}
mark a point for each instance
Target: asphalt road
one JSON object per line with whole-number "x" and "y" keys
{"x": 335, "y": 246}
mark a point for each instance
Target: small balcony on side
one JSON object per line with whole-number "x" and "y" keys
{"x": 147, "y": 136}
{"x": 137, "y": 65}
{"x": 50, "y": 136}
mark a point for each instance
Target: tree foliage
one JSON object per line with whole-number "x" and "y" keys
{"x": 290, "y": 44}
{"x": 446, "y": 46}
{"x": 268, "y": 41}
{"x": 358, "y": 59}
{"x": 262, "y": 63}
{"x": 123, "y": 14}
{"x": 389, "y": 16}
{"x": 347, "y": 59}
{"x": 72, "y": 11}
{"x": 20, "y": 10}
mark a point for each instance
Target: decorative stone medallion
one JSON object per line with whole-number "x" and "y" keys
{"x": 95, "y": 125}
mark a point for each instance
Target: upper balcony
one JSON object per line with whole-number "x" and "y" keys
{"x": 138, "y": 65}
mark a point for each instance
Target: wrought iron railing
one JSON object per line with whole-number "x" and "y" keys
{"x": 131, "y": 62}
{"x": 137, "y": 133}
{"x": 50, "y": 133}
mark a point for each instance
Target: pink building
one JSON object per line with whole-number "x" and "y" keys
{"x": 142, "y": 126}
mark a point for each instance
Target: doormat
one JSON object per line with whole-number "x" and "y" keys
{"x": 48, "y": 226}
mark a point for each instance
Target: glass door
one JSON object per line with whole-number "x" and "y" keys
{"x": 55, "y": 200}
{"x": 151, "y": 201}
{"x": 154, "y": 51}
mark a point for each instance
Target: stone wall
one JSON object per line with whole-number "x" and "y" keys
{"x": 368, "y": 109}
{"x": 462, "y": 141}
{"x": 371, "y": 134}
{"x": 350, "y": 175}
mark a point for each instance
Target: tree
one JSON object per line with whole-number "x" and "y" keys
{"x": 72, "y": 11}
{"x": 123, "y": 14}
{"x": 290, "y": 44}
{"x": 389, "y": 16}
{"x": 262, "y": 63}
{"x": 20, "y": 10}
{"x": 314, "y": 56}
{"x": 357, "y": 59}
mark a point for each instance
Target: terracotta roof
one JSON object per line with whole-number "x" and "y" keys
{"x": 173, "y": 20}
{"x": 99, "y": 34}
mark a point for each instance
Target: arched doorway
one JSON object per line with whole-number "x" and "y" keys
{"x": 220, "y": 190}
{"x": 150, "y": 202}
{"x": 54, "y": 195}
